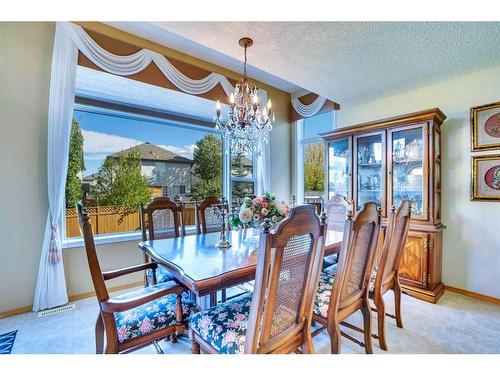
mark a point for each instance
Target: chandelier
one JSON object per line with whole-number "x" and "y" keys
{"x": 247, "y": 126}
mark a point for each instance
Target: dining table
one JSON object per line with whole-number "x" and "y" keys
{"x": 204, "y": 269}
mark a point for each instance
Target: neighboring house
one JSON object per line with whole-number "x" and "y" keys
{"x": 246, "y": 166}
{"x": 165, "y": 171}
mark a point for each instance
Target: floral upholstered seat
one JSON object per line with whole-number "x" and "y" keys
{"x": 325, "y": 287}
{"x": 373, "y": 276}
{"x": 224, "y": 327}
{"x": 162, "y": 275}
{"x": 151, "y": 316}
{"x": 329, "y": 260}
{"x": 331, "y": 270}
{"x": 322, "y": 300}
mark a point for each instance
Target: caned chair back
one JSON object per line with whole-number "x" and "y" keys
{"x": 161, "y": 219}
{"x": 356, "y": 258}
{"x": 206, "y": 220}
{"x": 394, "y": 242}
{"x": 95, "y": 269}
{"x": 288, "y": 268}
{"x": 336, "y": 209}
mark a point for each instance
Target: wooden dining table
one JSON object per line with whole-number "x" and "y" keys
{"x": 203, "y": 268}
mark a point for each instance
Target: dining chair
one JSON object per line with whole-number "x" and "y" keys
{"x": 336, "y": 209}
{"x": 346, "y": 292}
{"x": 138, "y": 318}
{"x": 276, "y": 317}
{"x": 206, "y": 220}
{"x": 160, "y": 219}
{"x": 385, "y": 276}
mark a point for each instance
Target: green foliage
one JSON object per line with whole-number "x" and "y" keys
{"x": 75, "y": 166}
{"x": 208, "y": 167}
{"x": 120, "y": 183}
{"x": 238, "y": 170}
{"x": 313, "y": 167}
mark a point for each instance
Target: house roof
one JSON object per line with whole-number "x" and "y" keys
{"x": 148, "y": 151}
{"x": 90, "y": 177}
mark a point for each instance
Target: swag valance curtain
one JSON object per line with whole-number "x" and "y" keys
{"x": 69, "y": 40}
{"x": 306, "y": 105}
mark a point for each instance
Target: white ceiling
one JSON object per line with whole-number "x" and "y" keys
{"x": 348, "y": 62}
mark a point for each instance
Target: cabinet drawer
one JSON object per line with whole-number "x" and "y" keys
{"x": 413, "y": 268}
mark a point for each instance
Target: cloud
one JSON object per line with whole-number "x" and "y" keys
{"x": 186, "y": 151}
{"x": 103, "y": 143}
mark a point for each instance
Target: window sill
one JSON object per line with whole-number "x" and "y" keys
{"x": 103, "y": 239}
{"x": 114, "y": 238}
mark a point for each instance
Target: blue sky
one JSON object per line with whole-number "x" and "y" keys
{"x": 317, "y": 124}
{"x": 104, "y": 135}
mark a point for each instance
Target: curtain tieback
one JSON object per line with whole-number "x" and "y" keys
{"x": 53, "y": 247}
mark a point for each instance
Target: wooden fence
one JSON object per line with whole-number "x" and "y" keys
{"x": 114, "y": 219}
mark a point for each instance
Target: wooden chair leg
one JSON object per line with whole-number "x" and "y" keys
{"x": 367, "y": 325}
{"x": 379, "y": 302}
{"x": 335, "y": 338}
{"x": 195, "y": 347}
{"x": 99, "y": 335}
{"x": 397, "y": 303}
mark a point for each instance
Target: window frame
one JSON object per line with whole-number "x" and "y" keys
{"x": 73, "y": 242}
{"x": 299, "y": 144}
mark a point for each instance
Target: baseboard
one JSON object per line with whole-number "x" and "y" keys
{"x": 71, "y": 298}
{"x": 475, "y": 295}
{"x": 76, "y": 297}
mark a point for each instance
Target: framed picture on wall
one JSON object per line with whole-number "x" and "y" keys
{"x": 485, "y": 127}
{"x": 485, "y": 178}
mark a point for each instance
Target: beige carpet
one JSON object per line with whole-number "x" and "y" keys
{"x": 457, "y": 324}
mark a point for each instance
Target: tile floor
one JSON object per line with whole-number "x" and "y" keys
{"x": 457, "y": 324}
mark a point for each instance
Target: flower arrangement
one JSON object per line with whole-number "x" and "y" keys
{"x": 253, "y": 211}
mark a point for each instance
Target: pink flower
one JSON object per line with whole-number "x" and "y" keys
{"x": 229, "y": 337}
{"x": 256, "y": 201}
{"x": 274, "y": 218}
{"x": 146, "y": 326}
{"x": 264, "y": 212}
{"x": 240, "y": 317}
{"x": 204, "y": 322}
{"x": 245, "y": 215}
{"x": 122, "y": 334}
{"x": 323, "y": 310}
{"x": 264, "y": 204}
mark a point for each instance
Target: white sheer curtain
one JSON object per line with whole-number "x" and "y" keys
{"x": 51, "y": 284}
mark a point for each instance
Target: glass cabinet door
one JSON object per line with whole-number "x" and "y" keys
{"x": 370, "y": 169}
{"x": 408, "y": 174}
{"x": 339, "y": 168}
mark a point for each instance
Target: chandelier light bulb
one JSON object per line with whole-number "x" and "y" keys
{"x": 269, "y": 104}
{"x": 231, "y": 98}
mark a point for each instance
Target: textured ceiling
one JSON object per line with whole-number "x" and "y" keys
{"x": 348, "y": 62}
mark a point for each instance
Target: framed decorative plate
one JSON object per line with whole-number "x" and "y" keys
{"x": 485, "y": 178}
{"x": 485, "y": 127}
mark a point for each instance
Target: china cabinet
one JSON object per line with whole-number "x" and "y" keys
{"x": 388, "y": 160}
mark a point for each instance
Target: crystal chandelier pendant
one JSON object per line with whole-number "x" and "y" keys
{"x": 247, "y": 126}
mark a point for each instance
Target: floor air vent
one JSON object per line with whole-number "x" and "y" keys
{"x": 56, "y": 310}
